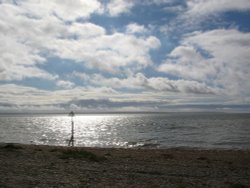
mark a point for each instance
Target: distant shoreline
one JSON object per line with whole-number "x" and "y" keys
{"x": 111, "y": 113}
{"x": 139, "y": 147}
{"x": 180, "y": 148}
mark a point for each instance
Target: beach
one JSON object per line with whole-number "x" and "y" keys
{"x": 55, "y": 166}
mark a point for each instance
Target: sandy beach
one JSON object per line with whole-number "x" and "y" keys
{"x": 50, "y": 166}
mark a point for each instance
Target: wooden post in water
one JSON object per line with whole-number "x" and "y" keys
{"x": 71, "y": 141}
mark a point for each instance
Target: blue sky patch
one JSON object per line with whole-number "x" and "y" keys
{"x": 170, "y": 53}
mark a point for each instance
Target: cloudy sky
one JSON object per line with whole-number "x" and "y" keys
{"x": 124, "y": 55}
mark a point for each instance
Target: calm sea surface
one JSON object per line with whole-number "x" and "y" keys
{"x": 202, "y": 130}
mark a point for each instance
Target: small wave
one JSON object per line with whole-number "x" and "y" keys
{"x": 47, "y": 140}
{"x": 142, "y": 145}
{"x": 232, "y": 143}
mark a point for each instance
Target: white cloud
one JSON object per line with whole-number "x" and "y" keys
{"x": 135, "y": 28}
{"x": 86, "y": 30}
{"x": 16, "y": 95}
{"x": 19, "y": 55}
{"x": 203, "y": 7}
{"x": 204, "y": 63}
{"x": 18, "y": 61}
{"x": 230, "y": 52}
{"x": 118, "y": 7}
{"x": 81, "y": 76}
{"x": 28, "y": 35}
{"x": 183, "y": 86}
{"x": 24, "y": 95}
{"x": 192, "y": 14}
{"x": 66, "y": 10}
{"x": 218, "y": 57}
{"x": 22, "y": 98}
{"x": 188, "y": 63}
{"x": 108, "y": 52}
{"x": 159, "y": 84}
{"x": 64, "y": 84}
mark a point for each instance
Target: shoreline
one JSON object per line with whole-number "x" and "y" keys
{"x": 146, "y": 146}
{"x": 58, "y": 166}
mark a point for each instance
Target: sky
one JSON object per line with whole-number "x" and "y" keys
{"x": 124, "y": 55}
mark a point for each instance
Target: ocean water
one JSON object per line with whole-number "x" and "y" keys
{"x": 163, "y": 130}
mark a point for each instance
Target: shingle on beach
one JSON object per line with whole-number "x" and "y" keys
{"x": 53, "y": 166}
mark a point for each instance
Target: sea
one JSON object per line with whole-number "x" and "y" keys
{"x": 130, "y": 130}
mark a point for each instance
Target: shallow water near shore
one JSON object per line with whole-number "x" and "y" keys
{"x": 149, "y": 130}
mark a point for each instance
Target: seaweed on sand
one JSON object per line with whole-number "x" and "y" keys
{"x": 12, "y": 147}
{"x": 81, "y": 154}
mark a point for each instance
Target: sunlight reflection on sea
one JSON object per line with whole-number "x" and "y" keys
{"x": 210, "y": 130}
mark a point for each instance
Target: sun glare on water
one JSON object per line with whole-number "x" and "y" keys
{"x": 96, "y": 130}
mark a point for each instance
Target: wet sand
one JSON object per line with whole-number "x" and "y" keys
{"x": 25, "y": 166}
